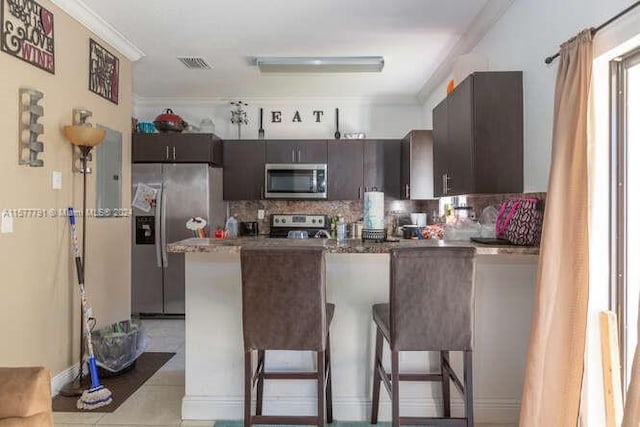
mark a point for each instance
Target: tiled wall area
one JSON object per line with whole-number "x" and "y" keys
{"x": 352, "y": 210}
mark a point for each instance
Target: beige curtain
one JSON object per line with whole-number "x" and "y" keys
{"x": 632, "y": 403}
{"x": 551, "y": 395}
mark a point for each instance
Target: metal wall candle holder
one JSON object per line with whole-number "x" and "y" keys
{"x": 29, "y": 112}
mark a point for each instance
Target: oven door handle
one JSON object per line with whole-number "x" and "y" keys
{"x": 314, "y": 182}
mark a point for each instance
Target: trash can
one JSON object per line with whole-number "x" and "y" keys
{"x": 116, "y": 347}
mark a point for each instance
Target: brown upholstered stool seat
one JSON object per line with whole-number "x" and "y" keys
{"x": 431, "y": 298}
{"x": 331, "y": 308}
{"x": 382, "y": 319}
{"x": 25, "y": 397}
{"x": 284, "y": 308}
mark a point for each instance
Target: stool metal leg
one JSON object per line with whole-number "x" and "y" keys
{"x": 377, "y": 360}
{"x": 247, "y": 388}
{"x": 321, "y": 388}
{"x": 446, "y": 393}
{"x": 260, "y": 387}
{"x": 329, "y": 401}
{"x": 468, "y": 387}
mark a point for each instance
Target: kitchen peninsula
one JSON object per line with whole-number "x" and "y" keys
{"x": 357, "y": 276}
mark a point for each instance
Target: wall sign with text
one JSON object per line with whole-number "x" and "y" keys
{"x": 277, "y": 117}
{"x": 27, "y": 33}
{"x": 103, "y": 72}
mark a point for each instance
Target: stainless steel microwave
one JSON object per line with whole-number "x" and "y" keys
{"x": 295, "y": 181}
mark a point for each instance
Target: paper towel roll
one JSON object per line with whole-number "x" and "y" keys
{"x": 374, "y": 210}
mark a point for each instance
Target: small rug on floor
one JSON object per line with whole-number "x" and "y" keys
{"x": 335, "y": 423}
{"x": 121, "y": 386}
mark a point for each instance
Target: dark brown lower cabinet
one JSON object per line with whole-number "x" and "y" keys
{"x": 243, "y": 169}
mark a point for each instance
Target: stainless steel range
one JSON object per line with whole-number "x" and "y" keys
{"x": 282, "y": 224}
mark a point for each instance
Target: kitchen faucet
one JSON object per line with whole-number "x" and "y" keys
{"x": 322, "y": 233}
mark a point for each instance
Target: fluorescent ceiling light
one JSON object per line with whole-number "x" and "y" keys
{"x": 342, "y": 64}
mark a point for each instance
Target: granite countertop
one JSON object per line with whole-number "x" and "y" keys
{"x": 331, "y": 246}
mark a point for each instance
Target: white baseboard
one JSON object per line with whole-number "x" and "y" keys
{"x": 58, "y": 381}
{"x": 500, "y": 411}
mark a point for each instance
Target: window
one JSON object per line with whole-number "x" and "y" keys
{"x": 625, "y": 245}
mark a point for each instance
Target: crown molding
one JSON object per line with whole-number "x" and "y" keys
{"x": 101, "y": 28}
{"x": 480, "y": 26}
{"x": 266, "y": 100}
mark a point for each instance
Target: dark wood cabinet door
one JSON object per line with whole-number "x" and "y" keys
{"x": 296, "y": 151}
{"x": 440, "y": 141}
{"x": 498, "y": 132}
{"x": 151, "y": 148}
{"x": 382, "y": 166}
{"x": 405, "y": 168}
{"x": 282, "y": 151}
{"x": 196, "y": 148}
{"x": 459, "y": 149}
{"x": 345, "y": 170}
{"x": 243, "y": 169}
{"x": 311, "y": 152}
{"x": 176, "y": 148}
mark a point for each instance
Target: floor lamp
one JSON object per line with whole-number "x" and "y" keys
{"x": 83, "y": 136}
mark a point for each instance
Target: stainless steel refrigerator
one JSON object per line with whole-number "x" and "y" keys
{"x": 182, "y": 191}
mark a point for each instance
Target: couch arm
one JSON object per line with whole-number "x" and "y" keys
{"x": 25, "y": 393}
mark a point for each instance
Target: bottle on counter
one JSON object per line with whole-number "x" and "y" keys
{"x": 341, "y": 230}
{"x": 231, "y": 227}
{"x": 333, "y": 221}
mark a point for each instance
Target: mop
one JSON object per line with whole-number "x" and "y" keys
{"x": 97, "y": 395}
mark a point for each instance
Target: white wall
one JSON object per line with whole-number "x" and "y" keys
{"x": 377, "y": 119}
{"x": 527, "y": 33}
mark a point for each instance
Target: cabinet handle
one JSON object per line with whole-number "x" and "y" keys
{"x": 174, "y": 153}
{"x": 445, "y": 183}
{"x": 299, "y": 157}
{"x": 359, "y": 192}
{"x": 261, "y": 192}
{"x": 406, "y": 191}
{"x": 167, "y": 155}
{"x": 293, "y": 156}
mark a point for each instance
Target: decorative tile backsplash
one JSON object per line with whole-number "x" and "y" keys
{"x": 352, "y": 210}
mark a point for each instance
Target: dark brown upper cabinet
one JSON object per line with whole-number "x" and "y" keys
{"x": 243, "y": 171}
{"x": 416, "y": 165}
{"x": 296, "y": 151}
{"x": 356, "y": 166}
{"x": 174, "y": 147}
{"x": 478, "y": 135}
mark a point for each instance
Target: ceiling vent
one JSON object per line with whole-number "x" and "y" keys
{"x": 195, "y": 63}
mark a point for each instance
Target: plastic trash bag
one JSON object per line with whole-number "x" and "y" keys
{"x": 488, "y": 221}
{"x": 117, "y": 346}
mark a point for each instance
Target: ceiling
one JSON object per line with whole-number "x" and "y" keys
{"x": 413, "y": 36}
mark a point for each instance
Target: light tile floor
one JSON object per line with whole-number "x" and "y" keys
{"x": 157, "y": 403}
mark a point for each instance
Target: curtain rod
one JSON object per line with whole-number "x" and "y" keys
{"x": 550, "y": 59}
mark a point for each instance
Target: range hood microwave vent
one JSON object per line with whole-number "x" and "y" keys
{"x": 194, "y": 62}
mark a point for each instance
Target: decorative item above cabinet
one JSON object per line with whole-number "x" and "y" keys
{"x": 176, "y": 148}
{"x": 478, "y": 135}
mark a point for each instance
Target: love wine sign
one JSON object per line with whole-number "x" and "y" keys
{"x": 27, "y": 33}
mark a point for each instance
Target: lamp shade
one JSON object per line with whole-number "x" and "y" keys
{"x": 86, "y": 136}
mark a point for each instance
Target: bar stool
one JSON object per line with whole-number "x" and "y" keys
{"x": 284, "y": 308}
{"x": 430, "y": 308}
